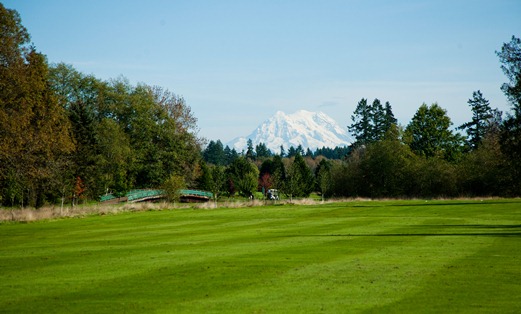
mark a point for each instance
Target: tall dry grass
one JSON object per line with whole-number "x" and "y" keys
{"x": 57, "y": 212}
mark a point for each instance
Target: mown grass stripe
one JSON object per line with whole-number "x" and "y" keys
{"x": 351, "y": 257}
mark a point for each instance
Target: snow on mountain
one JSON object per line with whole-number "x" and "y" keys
{"x": 310, "y": 129}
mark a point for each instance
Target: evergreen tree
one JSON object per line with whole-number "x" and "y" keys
{"x": 300, "y": 179}
{"x": 389, "y": 117}
{"x": 299, "y": 150}
{"x": 370, "y": 122}
{"x": 214, "y": 153}
{"x": 250, "y": 153}
{"x": 482, "y": 116}
{"x": 278, "y": 172}
{"x": 361, "y": 127}
{"x": 230, "y": 155}
{"x": 282, "y": 151}
{"x": 262, "y": 151}
{"x": 267, "y": 166}
{"x": 378, "y": 121}
{"x": 80, "y": 96}
{"x": 291, "y": 152}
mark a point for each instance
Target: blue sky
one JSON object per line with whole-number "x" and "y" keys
{"x": 237, "y": 62}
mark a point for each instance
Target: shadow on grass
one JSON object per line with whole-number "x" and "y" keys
{"x": 434, "y": 202}
{"x": 488, "y": 231}
{"x": 458, "y": 203}
{"x": 475, "y": 234}
{"x": 477, "y": 226}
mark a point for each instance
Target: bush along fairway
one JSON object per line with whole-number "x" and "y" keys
{"x": 392, "y": 256}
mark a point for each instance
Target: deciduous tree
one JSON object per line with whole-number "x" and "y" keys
{"x": 323, "y": 177}
{"x": 244, "y": 175}
{"x": 429, "y": 135}
{"x": 34, "y": 129}
{"x": 510, "y": 58}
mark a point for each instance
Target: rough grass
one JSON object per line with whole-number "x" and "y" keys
{"x": 387, "y": 256}
{"x": 54, "y": 212}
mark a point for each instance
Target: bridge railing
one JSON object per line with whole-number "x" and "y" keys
{"x": 196, "y": 193}
{"x": 142, "y": 194}
{"x": 134, "y": 195}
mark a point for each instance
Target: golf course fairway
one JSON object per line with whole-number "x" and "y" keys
{"x": 416, "y": 256}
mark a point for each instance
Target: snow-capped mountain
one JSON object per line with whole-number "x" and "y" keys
{"x": 310, "y": 129}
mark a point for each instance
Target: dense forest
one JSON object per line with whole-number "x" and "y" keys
{"x": 70, "y": 137}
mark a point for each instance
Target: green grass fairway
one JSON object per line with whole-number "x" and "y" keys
{"x": 395, "y": 256}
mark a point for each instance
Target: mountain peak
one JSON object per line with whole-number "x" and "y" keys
{"x": 310, "y": 129}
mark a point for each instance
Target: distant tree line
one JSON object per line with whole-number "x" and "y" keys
{"x": 426, "y": 158}
{"x": 215, "y": 153}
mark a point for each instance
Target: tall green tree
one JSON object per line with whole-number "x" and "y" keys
{"x": 230, "y": 154}
{"x": 429, "y": 134}
{"x": 378, "y": 118}
{"x": 323, "y": 178}
{"x": 299, "y": 180}
{"x": 250, "y": 152}
{"x": 385, "y": 166}
{"x": 262, "y": 151}
{"x": 484, "y": 171}
{"x": 34, "y": 129}
{"x": 173, "y": 186}
{"x": 204, "y": 182}
{"x": 214, "y": 153}
{"x": 371, "y": 121}
{"x": 389, "y": 117}
{"x": 277, "y": 172}
{"x": 482, "y": 116}
{"x": 218, "y": 183}
{"x": 244, "y": 175}
{"x": 115, "y": 158}
{"x": 80, "y": 96}
{"x": 510, "y": 58}
{"x": 361, "y": 128}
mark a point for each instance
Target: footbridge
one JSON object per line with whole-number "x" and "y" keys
{"x": 150, "y": 195}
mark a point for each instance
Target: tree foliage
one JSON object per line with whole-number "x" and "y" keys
{"x": 34, "y": 128}
{"x": 299, "y": 179}
{"x": 323, "y": 178}
{"x": 214, "y": 153}
{"x": 482, "y": 119}
{"x": 510, "y": 58}
{"x": 244, "y": 174}
{"x": 429, "y": 134}
{"x": 371, "y": 121}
